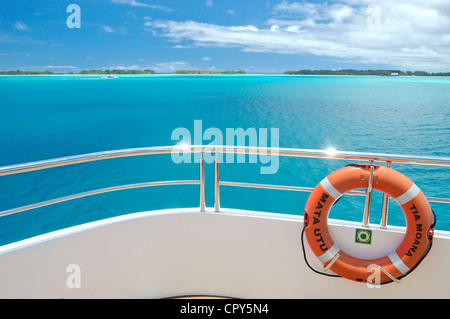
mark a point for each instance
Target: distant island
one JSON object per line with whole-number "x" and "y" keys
{"x": 299, "y": 72}
{"x": 366, "y": 72}
{"x": 99, "y": 72}
{"x": 118, "y": 72}
{"x": 25, "y": 72}
{"x": 207, "y": 72}
{"x": 115, "y": 71}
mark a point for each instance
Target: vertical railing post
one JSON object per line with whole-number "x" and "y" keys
{"x": 368, "y": 197}
{"x": 384, "y": 209}
{"x": 202, "y": 183}
{"x": 216, "y": 185}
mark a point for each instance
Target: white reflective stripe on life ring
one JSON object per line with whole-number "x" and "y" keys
{"x": 408, "y": 195}
{"x": 329, "y": 254}
{"x": 330, "y": 188}
{"x": 398, "y": 263}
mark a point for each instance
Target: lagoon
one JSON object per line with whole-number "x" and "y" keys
{"x": 46, "y": 117}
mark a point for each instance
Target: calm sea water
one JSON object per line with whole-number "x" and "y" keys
{"x": 49, "y": 117}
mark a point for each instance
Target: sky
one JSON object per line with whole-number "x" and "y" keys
{"x": 266, "y": 36}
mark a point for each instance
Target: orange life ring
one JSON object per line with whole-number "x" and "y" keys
{"x": 418, "y": 213}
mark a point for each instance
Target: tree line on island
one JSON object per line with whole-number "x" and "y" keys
{"x": 208, "y": 72}
{"x": 100, "y": 72}
{"x": 299, "y": 72}
{"x": 366, "y": 72}
{"x": 25, "y": 72}
{"x": 115, "y": 71}
{"x": 153, "y": 72}
{"x": 118, "y": 72}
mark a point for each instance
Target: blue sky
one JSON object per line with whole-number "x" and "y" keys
{"x": 268, "y": 36}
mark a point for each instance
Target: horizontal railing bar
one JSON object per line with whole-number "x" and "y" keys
{"x": 331, "y": 154}
{"x": 77, "y": 159}
{"x": 309, "y": 189}
{"x": 292, "y": 152}
{"x": 280, "y": 187}
{"x": 267, "y": 186}
{"x": 95, "y": 192}
{"x": 438, "y": 200}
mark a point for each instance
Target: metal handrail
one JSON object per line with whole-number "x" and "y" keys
{"x": 281, "y": 187}
{"x": 95, "y": 192}
{"x": 339, "y": 155}
{"x": 310, "y": 189}
{"x": 289, "y": 152}
{"x": 292, "y": 152}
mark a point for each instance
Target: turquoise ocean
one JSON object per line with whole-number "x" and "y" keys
{"x": 44, "y": 117}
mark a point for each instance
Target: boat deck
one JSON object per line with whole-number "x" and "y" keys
{"x": 185, "y": 252}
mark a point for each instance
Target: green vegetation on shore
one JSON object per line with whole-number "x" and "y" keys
{"x": 207, "y": 72}
{"x": 365, "y": 72}
{"x": 299, "y": 72}
{"x": 25, "y": 72}
{"x": 115, "y": 71}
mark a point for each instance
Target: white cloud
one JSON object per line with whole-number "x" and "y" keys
{"x": 206, "y": 58}
{"x": 158, "y": 67}
{"x": 135, "y": 3}
{"x": 310, "y": 9}
{"x": 179, "y": 46}
{"x": 169, "y": 67}
{"x": 209, "y": 3}
{"x": 60, "y": 67}
{"x": 21, "y": 26}
{"x": 107, "y": 29}
{"x": 411, "y": 35}
{"x": 119, "y": 67}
